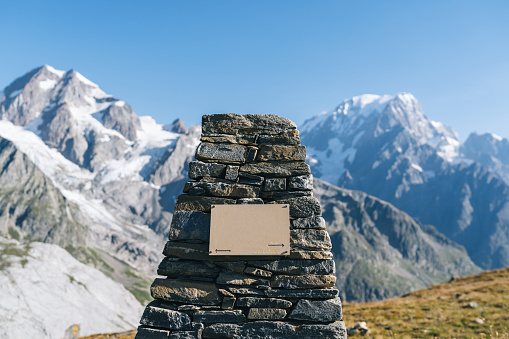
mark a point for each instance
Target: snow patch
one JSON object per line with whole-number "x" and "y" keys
{"x": 15, "y": 93}
{"x": 47, "y": 84}
{"x": 85, "y": 80}
{"x": 55, "y": 71}
{"x": 120, "y": 103}
{"x": 417, "y": 167}
{"x": 496, "y": 137}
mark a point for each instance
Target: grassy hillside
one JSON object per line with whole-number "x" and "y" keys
{"x": 442, "y": 311}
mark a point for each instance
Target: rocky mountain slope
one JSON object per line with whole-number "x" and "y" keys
{"x": 386, "y": 146}
{"x": 380, "y": 251}
{"x": 45, "y": 291}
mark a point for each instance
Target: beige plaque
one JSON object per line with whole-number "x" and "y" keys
{"x": 250, "y": 230}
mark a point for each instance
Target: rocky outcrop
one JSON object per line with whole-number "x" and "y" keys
{"x": 206, "y": 296}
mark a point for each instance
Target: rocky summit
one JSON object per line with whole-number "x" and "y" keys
{"x": 246, "y": 159}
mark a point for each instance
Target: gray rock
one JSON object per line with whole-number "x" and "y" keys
{"x": 266, "y": 314}
{"x": 228, "y": 303}
{"x": 223, "y": 153}
{"x": 278, "y": 140}
{"x": 283, "y": 153}
{"x": 246, "y": 178}
{"x": 202, "y": 204}
{"x": 277, "y": 168}
{"x": 313, "y": 222}
{"x": 297, "y": 267}
{"x": 220, "y": 138}
{"x": 251, "y": 154}
{"x": 275, "y": 184}
{"x": 310, "y": 255}
{"x": 224, "y": 316}
{"x": 224, "y": 189}
{"x": 185, "y": 291}
{"x": 263, "y": 302}
{"x": 198, "y": 170}
{"x": 322, "y": 293}
{"x": 234, "y": 278}
{"x": 232, "y": 173}
{"x": 230, "y": 123}
{"x": 185, "y": 268}
{"x": 273, "y": 195}
{"x": 360, "y": 328}
{"x": 336, "y": 330}
{"x": 252, "y": 201}
{"x": 122, "y": 119}
{"x": 235, "y": 266}
{"x": 258, "y": 272}
{"x": 302, "y": 281}
{"x": 186, "y": 335}
{"x": 301, "y": 182}
{"x": 186, "y": 250}
{"x": 177, "y": 126}
{"x": 151, "y": 333}
{"x": 190, "y": 225}
{"x": 317, "y": 310}
{"x": 164, "y": 318}
{"x": 245, "y": 291}
{"x": 302, "y": 207}
{"x": 310, "y": 239}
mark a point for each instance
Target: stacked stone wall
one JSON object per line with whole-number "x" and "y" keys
{"x": 246, "y": 159}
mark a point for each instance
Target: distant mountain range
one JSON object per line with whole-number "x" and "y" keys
{"x": 82, "y": 171}
{"x": 387, "y": 147}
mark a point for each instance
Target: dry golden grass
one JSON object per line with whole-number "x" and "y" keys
{"x": 441, "y": 311}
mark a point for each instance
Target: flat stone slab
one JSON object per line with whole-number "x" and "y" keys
{"x": 186, "y": 268}
{"x": 201, "y": 204}
{"x": 277, "y": 168}
{"x": 266, "y": 314}
{"x": 166, "y": 319}
{"x": 222, "y": 153}
{"x": 281, "y": 152}
{"x": 319, "y": 293}
{"x": 186, "y": 291}
{"x": 309, "y": 255}
{"x": 231, "y": 123}
{"x": 222, "y": 189}
{"x": 318, "y": 310}
{"x": 234, "y": 278}
{"x": 263, "y": 302}
{"x": 301, "y": 182}
{"x": 302, "y": 281}
{"x": 227, "y": 316}
{"x": 297, "y": 267}
{"x": 312, "y": 222}
{"x": 198, "y": 170}
{"x": 310, "y": 239}
{"x": 151, "y": 333}
{"x": 302, "y": 207}
{"x": 190, "y": 225}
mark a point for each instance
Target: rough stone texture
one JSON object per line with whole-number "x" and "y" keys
{"x": 235, "y": 266}
{"x": 230, "y": 123}
{"x": 325, "y": 293}
{"x": 302, "y": 281}
{"x": 185, "y": 268}
{"x": 151, "y": 333}
{"x": 190, "y": 225}
{"x": 235, "y": 316}
{"x": 233, "y": 278}
{"x": 164, "y": 318}
{"x": 202, "y": 204}
{"x": 223, "y": 189}
{"x": 277, "y": 168}
{"x": 186, "y": 250}
{"x": 273, "y": 195}
{"x": 311, "y": 239}
{"x": 251, "y": 179}
{"x": 313, "y": 222}
{"x": 301, "y": 182}
{"x": 302, "y": 207}
{"x": 245, "y": 291}
{"x": 258, "y": 272}
{"x": 232, "y": 173}
{"x": 263, "y": 302}
{"x": 251, "y": 154}
{"x": 278, "y": 140}
{"x": 310, "y": 255}
{"x": 317, "y": 310}
{"x": 284, "y": 153}
{"x": 198, "y": 169}
{"x": 243, "y": 201}
{"x": 185, "y": 291}
{"x": 224, "y": 153}
{"x": 296, "y": 266}
{"x": 275, "y": 184}
{"x": 266, "y": 314}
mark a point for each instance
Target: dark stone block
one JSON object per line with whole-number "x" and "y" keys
{"x": 263, "y": 302}
{"x": 301, "y": 182}
{"x": 231, "y": 123}
{"x": 310, "y": 239}
{"x": 317, "y": 310}
{"x": 235, "y": 316}
{"x": 302, "y": 281}
{"x": 302, "y": 207}
{"x": 297, "y": 267}
{"x": 282, "y": 153}
{"x": 222, "y": 153}
{"x": 250, "y": 179}
{"x": 185, "y": 268}
{"x": 164, "y": 318}
{"x": 278, "y": 169}
{"x": 190, "y": 225}
{"x": 186, "y": 291}
{"x": 198, "y": 170}
{"x": 313, "y": 222}
{"x": 275, "y": 184}
{"x": 319, "y": 293}
{"x": 151, "y": 333}
{"x": 202, "y": 204}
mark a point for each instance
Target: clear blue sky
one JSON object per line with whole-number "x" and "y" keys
{"x": 174, "y": 59}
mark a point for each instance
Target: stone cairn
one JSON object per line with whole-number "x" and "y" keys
{"x": 246, "y": 159}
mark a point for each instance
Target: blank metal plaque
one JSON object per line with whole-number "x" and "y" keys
{"x": 250, "y": 230}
